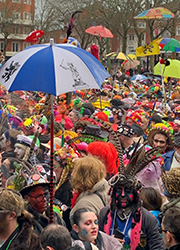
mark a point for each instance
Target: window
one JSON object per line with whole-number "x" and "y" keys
{"x": 16, "y": 30}
{"x": 25, "y": 15}
{"x": 143, "y": 37}
{"x": 178, "y": 31}
{"x": 16, "y": 15}
{"x": 15, "y": 47}
{"x": 25, "y": 45}
{"x": 130, "y": 50}
{"x": 26, "y": 1}
{"x": 131, "y": 37}
{"x": 1, "y": 46}
{"x": 16, "y": 1}
{"x": 2, "y": 0}
{"x": 25, "y": 30}
{"x": 142, "y": 25}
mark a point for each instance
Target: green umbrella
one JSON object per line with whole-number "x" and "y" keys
{"x": 173, "y": 70}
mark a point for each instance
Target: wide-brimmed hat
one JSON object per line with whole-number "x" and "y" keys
{"x": 95, "y": 131}
{"x": 33, "y": 180}
{"x": 57, "y": 144}
{"x": 164, "y": 129}
{"x": 171, "y": 181}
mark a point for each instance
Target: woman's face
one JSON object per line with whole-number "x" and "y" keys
{"x": 88, "y": 227}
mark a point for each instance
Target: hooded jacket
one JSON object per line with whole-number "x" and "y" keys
{"x": 92, "y": 200}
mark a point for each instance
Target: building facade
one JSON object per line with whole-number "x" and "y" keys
{"x": 16, "y": 22}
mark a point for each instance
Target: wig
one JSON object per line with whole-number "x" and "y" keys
{"x": 107, "y": 153}
{"x": 87, "y": 172}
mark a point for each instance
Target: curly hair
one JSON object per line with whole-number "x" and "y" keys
{"x": 87, "y": 172}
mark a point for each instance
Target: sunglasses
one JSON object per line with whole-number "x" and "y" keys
{"x": 161, "y": 142}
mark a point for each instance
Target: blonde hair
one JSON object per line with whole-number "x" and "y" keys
{"x": 87, "y": 172}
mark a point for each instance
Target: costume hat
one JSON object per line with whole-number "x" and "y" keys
{"x": 95, "y": 131}
{"x": 11, "y": 201}
{"x": 164, "y": 129}
{"x": 171, "y": 180}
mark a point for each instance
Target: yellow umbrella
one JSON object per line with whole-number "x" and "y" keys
{"x": 117, "y": 55}
{"x": 133, "y": 57}
{"x": 101, "y": 104}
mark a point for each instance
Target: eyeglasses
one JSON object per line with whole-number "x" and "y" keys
{"x": 40, "y": 197}
{"x": 161, "y": 142}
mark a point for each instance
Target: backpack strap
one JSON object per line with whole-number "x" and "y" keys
{"x": 98, "y": 194}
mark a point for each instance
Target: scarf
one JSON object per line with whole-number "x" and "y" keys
{"x": 135, "y": 227}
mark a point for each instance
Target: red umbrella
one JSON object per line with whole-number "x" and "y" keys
{"x": 99, "y": 31}
{"x": 34, "y": 35}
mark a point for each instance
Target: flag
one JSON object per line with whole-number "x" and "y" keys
{"x": 148, "y": 49}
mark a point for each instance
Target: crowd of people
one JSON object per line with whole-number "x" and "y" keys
{"x": 116, "y": 167}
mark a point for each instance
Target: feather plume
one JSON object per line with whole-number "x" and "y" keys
{"x": 71, "y": 24}
{"x": 117, "y": 142}
{"x": 137, "y": 163}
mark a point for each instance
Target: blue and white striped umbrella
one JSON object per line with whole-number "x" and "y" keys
{"x": 138, "y": 78}
{"x": 52, "y": 68}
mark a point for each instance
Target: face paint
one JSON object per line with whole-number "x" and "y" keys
{"x": 37, "y": 199}
{"x": 88, "y": 227}
{"x": 20, "y": 152}
{"x": 3, "y": 141}
{"x": 124, "y": 197}
{"x": 83, "y": 232}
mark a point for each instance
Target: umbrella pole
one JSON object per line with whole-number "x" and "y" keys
{"x": 51, "y": 162}
{"x": 164, "y": 92}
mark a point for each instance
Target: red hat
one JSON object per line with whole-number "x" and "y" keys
{"x": 135, "y": 117}
{"x": 102, "y": 116}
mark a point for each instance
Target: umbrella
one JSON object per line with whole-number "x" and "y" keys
{"x": 99, "y": 31}
{"x": 171, "y": 71}
{"x": 138, "y": 77}
{"x": 131, "y": 64}
{"x": 155, "y": 13}
{"x": 132, "y": 56}
{"x": 117, "y": 55}
{"x": 169, "y": 44}
{"x": 54, "y": 69}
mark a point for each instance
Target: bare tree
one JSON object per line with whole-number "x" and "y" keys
{"x": 10, "y": 20}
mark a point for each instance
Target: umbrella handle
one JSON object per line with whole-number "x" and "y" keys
{"x": 164, "y": 92}
{"x": 51, "y": 163}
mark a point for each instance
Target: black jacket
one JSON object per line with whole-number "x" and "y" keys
{"x": 150, "y": 236}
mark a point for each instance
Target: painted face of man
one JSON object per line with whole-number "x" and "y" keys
{"x": 3, "y": 142}
{"x": 20, "y": 152}
{"x": 38, "y": 199}
{"x": 124, "y": 197}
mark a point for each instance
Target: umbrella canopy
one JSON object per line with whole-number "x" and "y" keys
{"x": 117, "y": 55}
{"x": 99, "y": 31}
{"x": 171, "y": 71}
{"x": 132, "y": 56}
{"x": 155, "y": 13}
{"x": 169, "y": 44}
{"x": 131, "y": 64}
{"x": 138, "y": 78}
{"x": 52, "y": 68}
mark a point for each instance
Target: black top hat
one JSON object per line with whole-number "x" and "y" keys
{"x": 95, "y": 131}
